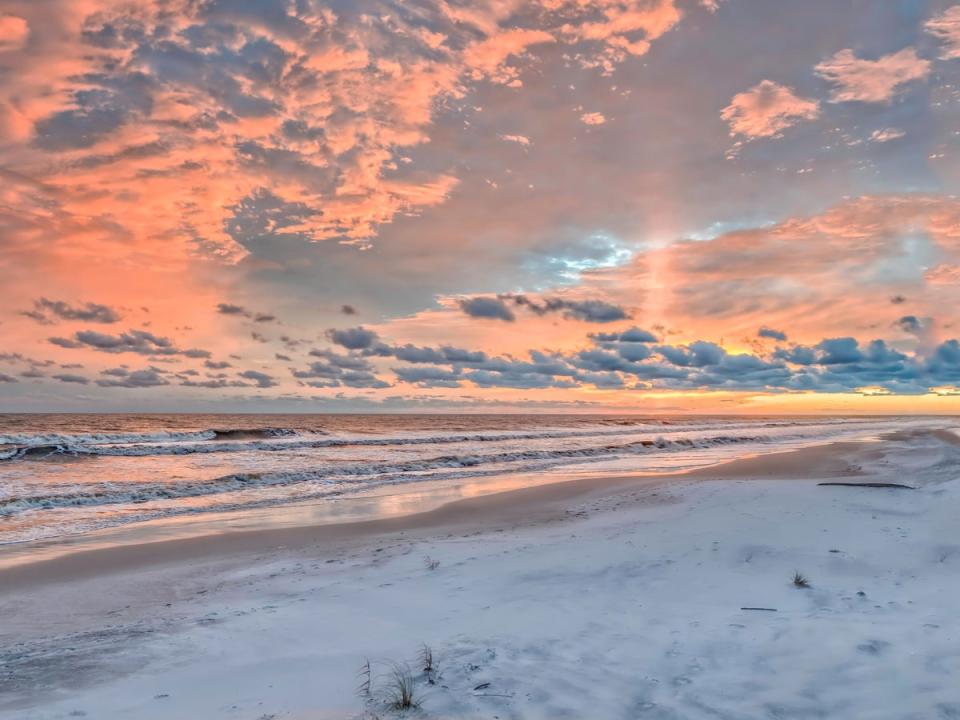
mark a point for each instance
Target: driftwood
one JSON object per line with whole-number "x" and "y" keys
{"x": 764, "y": 609}
{"x": 870, "y": 485}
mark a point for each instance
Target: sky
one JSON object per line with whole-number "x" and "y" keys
{"x": 650, "y": 206}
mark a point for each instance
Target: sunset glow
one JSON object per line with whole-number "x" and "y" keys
{"x": 711, "y": 206}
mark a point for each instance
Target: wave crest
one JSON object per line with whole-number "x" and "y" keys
{"x": 364, "y": 474}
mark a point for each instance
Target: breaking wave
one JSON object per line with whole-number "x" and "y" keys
{"x": 16, "y": 447}
{"x": 364, "y": 474}
{"x": 24, "y": 445}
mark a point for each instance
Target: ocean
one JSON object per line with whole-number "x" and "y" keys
{"x": 66, "y": 474}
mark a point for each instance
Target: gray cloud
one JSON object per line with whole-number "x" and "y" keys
{"x": 633, "y": 335}
{"x": 68, "y": 378}
{"x": 214, "y": 383}
{"x": 357, "y": 338}
{"x": 772, "y": 334}
{"x": 429, "y": 376}
{"x": 357, "y": 379}
{"x": 343, "y": 362}
{"x": 65, "y": 343}
{"x": 262, "y": 380}
{"x": 45, "y": 311}
{"x": 335, "y": 369}
{"x": 833, "y": 365}
{"x": 499, "y": 308}
{"x": 136, "y": 379}
{"x": 910, "y": 323}
{"x": 593, "y": 311}
{"x": 14, "y": 358}
{"x": 696, "y": 354}
{"x": 839, "y": 351}
{"x": 141, "y": 342}
{"x": 241, "y": 311}
{"x": 230, "y": 309}
{"x": 487, "y": 307}
{"x": 515, "y": 379}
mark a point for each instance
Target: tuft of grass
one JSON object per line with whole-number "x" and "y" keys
{"x": 430, "y": 563}
{"x": 426, "y": 658}
{"x": 800, "y": 581}
{"x": 429, "y": 666}
{"x": 400, "y": 689}
{"x": 365, "y": 676}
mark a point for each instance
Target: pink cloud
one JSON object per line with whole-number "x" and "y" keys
{"x": 342, "y": 106}
{"x": 943, "y": 274}
{"x": 887, "y": 135}
{"x": 347, "y": 124}
{"x": 14, "y": 32}
{"x": 767, "y": 109}
{"x": 946, "y": 28}
{"x": 874, "y": 81}
{"x": 831, "y": 272}
{"x": 624, "y": 28}
{"x": 367, "y": 112}
{"x": 653, "y": 19}
{"x": 593, "y": 118}
{"x": 519, "y": 139}
{"x": 487, "y": 58}
{"x": 324, "y": 117}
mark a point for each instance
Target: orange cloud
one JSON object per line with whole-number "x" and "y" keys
{"x": 14, "y": 32}
{"x": 487, "y": 57}
{"x": 593, "y": 118}
{"x": 767, "y": 109}
{"x": 317, "y": 109}
{"x": 810, "y": 276}
{"x": 946, "y": 28}
{"x": 833, "y": 273}
{"x": 178, "y": 155}
{"x": 872, "y": 81}
{"x": 626, "y": 28}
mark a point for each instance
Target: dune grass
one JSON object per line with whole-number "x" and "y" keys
{"x": 396, "y": 690}
{"x": 400, "y": 692}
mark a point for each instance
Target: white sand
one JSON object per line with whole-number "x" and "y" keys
{"x": 626, "y": 606}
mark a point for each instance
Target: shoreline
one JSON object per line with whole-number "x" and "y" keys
{"x": 92, "y": 492}
{"x": 524, "y": 505}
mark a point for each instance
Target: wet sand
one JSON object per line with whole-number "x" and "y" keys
{"x": 531, "y": 505}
